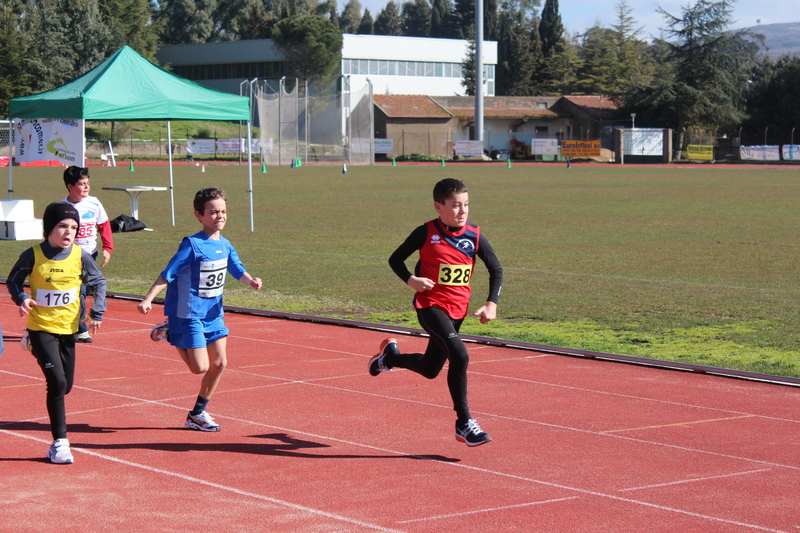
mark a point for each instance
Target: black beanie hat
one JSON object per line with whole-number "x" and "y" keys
{"x": 55, "y": 213}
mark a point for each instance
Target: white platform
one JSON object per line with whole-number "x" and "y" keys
{"x": 17, "y": 222}
{"x": 16, "y": 210}
{"x": 22, "y": 230}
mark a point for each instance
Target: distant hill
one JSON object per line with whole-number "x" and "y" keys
{"x": 781, "y": 39}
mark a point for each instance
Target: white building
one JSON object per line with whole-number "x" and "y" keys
{"x": 394, "y": 65}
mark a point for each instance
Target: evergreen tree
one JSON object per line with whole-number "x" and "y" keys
{"x": 15, "y": 79}
{"x": 774, "y": 101}
{"x": 551, "y": 30}
{"x": 709, "y": 75}
{"x": 416, "y": 18}
{"x": 350, "y": 17}
{"x": 388, "y": 21}
{"x": 464, "y": 19}
{"x": 312, "y": 46}
{"x": 442, "y": 19}
{"x": 518, "y": 51}
{"x": 186, "y": 21}
{"x": 367, "y": 25}
{"x": 468, "y": 70}
{"x": 131, "y": 23}
{"x": 71, "y": 39}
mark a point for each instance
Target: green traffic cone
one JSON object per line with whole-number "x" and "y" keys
{"x": 299, "y": 162}
{"x": 443, "y": 161}
{"x": 394, "y": 163}
{"x": 509, "y": 163}
{"x": 131, "y": 169}
{"x": 263, "y": 167}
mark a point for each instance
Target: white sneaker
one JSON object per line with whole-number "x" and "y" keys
{"x": 160, "y": 332}
{"x": 25, "y": 341}
{"x": 59, "y": 452}
{"x": 201, "y": 422}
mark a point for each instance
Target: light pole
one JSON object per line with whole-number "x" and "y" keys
{"x": 633, "y": 120}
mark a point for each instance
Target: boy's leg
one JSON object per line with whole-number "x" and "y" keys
{"x": 56, "y": 357}
{"x": 211, "y": 362}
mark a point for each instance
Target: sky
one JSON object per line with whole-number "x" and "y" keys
{"x": 578, "y": 15}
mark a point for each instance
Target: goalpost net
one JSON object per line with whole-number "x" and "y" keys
{"x": 293, "y": 124}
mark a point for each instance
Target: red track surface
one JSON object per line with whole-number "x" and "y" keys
{"x": 311, "y": 442}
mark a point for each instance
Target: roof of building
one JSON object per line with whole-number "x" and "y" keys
{"x": 501, "y": 106}
{"x": 599, "y": 106}
{"x": 410, "y": 106}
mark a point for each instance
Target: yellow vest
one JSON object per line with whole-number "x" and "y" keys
{"x": 55, "y": 285}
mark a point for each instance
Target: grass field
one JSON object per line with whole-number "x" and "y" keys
{"x": 696, "y": 265}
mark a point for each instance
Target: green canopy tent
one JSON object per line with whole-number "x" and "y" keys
{"x": 128, "y": 87}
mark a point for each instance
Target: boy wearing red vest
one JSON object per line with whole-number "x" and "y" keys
{"x": 448, "y": 247}
{"x": 56, "y": 268}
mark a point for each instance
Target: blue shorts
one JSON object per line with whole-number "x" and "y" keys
{"x": 189, "y": 333}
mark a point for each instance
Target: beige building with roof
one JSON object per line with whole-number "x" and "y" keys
{"x": 431, "y": 125}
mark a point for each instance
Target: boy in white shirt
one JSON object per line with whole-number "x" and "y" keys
{"x": 93, "y": 222}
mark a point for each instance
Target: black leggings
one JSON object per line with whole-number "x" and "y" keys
{"x": 56, "y": 357}
{"x": 444, "y": 345}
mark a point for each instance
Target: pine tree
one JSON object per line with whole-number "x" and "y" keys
{"x": 388, "y": 21}
{"x": 416, "y": 18}
{"x": 442, "y": 19}
{"x": 551, "y": 30}
{"x": 367, "y": 25}
{"x": 350, "y": 17}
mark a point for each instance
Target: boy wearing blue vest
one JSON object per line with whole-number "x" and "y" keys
{"x": 56, "y": 268}
{"x": 194, "y": 279}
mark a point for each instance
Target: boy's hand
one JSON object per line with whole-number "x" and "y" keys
{"x": 256, "y": 283}
{"x": 92, "y": 324}
{"x": 420, "y": 284}
{"x": 106, "y": 258}
{"x": 144, "y": 306}
{"x": 487, "y": 313}
{"x": 26, "y": 306}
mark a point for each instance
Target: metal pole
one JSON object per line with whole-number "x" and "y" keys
{"x": 169, "y": 157}
{"x": 250, "y": 170}
{"x": 371, "y": 126}
{"x": 10, "y": 160}
{"x": 280, "y": 103}
{"x": 307, "y": 125}
{"x": 479, "y": 70}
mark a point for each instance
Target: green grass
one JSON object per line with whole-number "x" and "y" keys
{"x": 695, "y": 265}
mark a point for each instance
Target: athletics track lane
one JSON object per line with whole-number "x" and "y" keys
{"x": 311, "y": 442}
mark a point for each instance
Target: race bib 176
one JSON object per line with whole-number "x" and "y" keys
{"x": 48, "y": 298}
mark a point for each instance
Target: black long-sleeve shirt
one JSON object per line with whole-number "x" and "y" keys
{"x": 415, "y": 241}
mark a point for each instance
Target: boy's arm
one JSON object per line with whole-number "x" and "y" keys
{"x": 247, "y": 279}
{"x": 236, "y": 268}
{"x": 488, "y": 311}
{"x": 94, "y": 279}
{"x": 16, "y": 278}
{"x": 397, "y": 261}
{"x": 146, "y": 304}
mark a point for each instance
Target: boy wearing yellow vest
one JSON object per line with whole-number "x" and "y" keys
{"x": 55, "y": 269}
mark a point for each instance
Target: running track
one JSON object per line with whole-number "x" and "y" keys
{"x": 312, "y": 443}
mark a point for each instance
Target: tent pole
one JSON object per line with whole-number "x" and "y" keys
{"x": 10, "y": 140}
{"x": 250, "y": 171}
{"x": 169, "y": 156}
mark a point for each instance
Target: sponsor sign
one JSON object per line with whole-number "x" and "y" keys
{"x": 760, "y": 153}
{"x": 791, "y": 152}
{"x": 699, "y": 151}
{"x": 545, "y": 147}
{"x": 48, "y": 139}
{"x": 200, "y": 147}
{"x": 580, "y": 148}
{"x": 236, "y": 146}
{"x": 469, "y": 148}
{"x": 384, "y": 146}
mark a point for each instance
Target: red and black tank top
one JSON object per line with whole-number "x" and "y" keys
{"x": 448, "y": 259}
